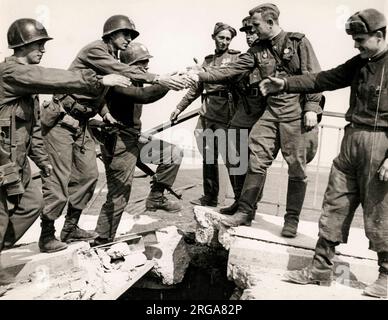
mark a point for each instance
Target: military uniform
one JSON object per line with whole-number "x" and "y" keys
{"x": 281, "y": 125}
{"x": 354, "y": 177}
{"x": 19, "y": 82}
{"x": 69, "y": 143}
{"x": 218, "y": 108}
{"x": 121, "y": 154}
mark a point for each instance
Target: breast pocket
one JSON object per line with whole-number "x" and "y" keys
{"x": 377, "y": 99}
{"x": 267, "y": 68}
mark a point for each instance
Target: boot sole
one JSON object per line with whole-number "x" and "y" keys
{"x": 204, "y": 204}
{"x": 79, "y": 240}
{"x": 156, "y": 209}
{"x": 288, "y": 235}
{"x": 323, "y": 283}
{"x": 371, "y": 294}
{"x": 51, "y": 251}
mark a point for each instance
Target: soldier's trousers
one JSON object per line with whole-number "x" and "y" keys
{"x": 353, "y": 181}
{"x": 72, "y": 154}
{"x": 16, "y": 221}
{"x": 211, "y": 138}
{"x": 120, "y": 168}
{"x": 297, "y": 145}
{"x": 237, "y": 159}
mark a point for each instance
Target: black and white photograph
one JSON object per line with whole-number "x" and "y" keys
{"x": 189, "y": 156}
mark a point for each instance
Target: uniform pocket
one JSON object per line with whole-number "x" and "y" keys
{"x": 374, "y": 94}
{"x": 50, "y": 113}
{"x": 266, "y": 69}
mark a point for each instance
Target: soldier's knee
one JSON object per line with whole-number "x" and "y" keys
{"x": 176, "y": 154}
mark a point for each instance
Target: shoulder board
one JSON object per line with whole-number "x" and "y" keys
{"x": 296, "y": 35}
{"x": 209, "y": 56}
{"x": 231, "y": 51}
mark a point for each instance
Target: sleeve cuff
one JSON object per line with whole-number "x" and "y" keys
{"x": 312, "y": 106}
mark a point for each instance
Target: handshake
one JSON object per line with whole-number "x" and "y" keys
{"x": 181, "y": 79}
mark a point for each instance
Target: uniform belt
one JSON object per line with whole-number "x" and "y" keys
{"x": 254, "y": 92}
{"x": 224, "y": 94}
{"x": 366, "y": 127}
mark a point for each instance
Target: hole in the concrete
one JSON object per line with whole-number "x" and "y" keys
{"x": 205, "y": 279}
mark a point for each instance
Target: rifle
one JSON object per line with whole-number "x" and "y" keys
{"x": 109, "y": 129}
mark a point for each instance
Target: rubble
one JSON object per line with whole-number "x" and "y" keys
{"x": 173, "y": 258}
{"x": 210, "y": 231}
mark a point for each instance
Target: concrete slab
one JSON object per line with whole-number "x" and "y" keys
{"x": 271, "y": 286}
{"x": 23, "y": 261}
{"x": 268, "y": 228}
{"x": 259, "y": 256}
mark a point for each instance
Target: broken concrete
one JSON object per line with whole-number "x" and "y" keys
{"x": 259, "y": 257}
{"x": 210, "y": 231}
{"x": 170, "y": 256}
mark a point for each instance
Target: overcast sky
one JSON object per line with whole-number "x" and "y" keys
{"x": 176, "y": 31}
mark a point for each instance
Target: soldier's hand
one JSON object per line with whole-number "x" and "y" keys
{"x": 175, "y": 114}
{"x": 109, "y": 119}
{"x": 271, "y": 85}
{"x": 383, "y": 171}
{"x": 175, "y": 82}
{"x": 46, "y": 170}
{"x": 310, "y": 120}
{"x": 197, "y": 68}
{"x": 116, "y": 80}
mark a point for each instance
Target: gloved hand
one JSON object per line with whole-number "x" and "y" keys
{"x": 46, "y": 170}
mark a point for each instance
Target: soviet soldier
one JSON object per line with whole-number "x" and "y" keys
{"x": 21, "y": 80}
{"x": 286, "y": 119}
{"x": 249, "y": 108}
{"x": 218, "y": 107}
{"x": 69, "y": 143}
{"x": 122, "y": 151}
{"x": 359, "y": 174}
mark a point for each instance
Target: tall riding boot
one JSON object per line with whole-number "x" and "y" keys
{"x": 320, "y": 271}
{"x": 71, "y": 232}
{"x": 157, "y": 201}
{"x": 379, "y": 288}
{"x": 296, "y": 192}
{"x": 253, "y": 186}
{"x": 237, "y": 182}
{"x": 211, "y": 186}
{"x": 47, "y": 241}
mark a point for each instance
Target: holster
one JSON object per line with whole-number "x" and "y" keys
{"x": 74, "y": 108}
{"x": 51, "y": 113}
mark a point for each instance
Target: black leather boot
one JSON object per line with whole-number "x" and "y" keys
{"x": 320, "y": 271}
{"x": 157, "y": 201}
{"x": 379, "y": 288}
{"x": 71, "y": 232}
{"x": 296, "y": 192}
{"x": 253, "y": 185}
{"x": 47, "y": 241}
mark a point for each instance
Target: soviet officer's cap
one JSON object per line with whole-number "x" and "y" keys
{"x": 265, "y": 7}
{"x": 365, "y": 21}
{"x": 220, "y": 26}
{"x": 246, "y": 24}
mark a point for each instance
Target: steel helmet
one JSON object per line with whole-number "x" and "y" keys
{"x": 25, "y": 31}
{"x": 117, "y": 23}
{"x": 134, "y": 53}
